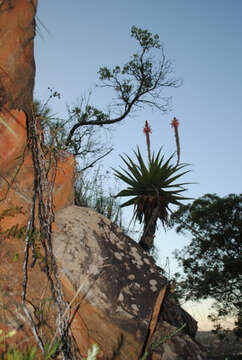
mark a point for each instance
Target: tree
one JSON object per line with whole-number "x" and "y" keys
{"x": 138, "y": 83}
{"x": 212, "y": 262}
{"x": 152, "y": 189}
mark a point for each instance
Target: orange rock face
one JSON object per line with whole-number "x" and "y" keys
{"x": 12, "y": 138}
{"x": 17, "y": 174}
{"x": 17, "y": 67}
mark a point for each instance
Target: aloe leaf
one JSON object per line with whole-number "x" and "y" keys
{"x": 171, "y": 180}
{"x": 132, "y": 167}
{"x": 129, "y": 202}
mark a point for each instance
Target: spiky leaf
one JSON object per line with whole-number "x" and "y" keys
{"x": 151, "y": 187}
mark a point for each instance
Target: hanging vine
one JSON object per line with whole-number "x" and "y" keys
{"x": 42, "y": 216}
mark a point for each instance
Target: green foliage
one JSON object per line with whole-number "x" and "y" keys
{"x": 16, "y": 230}
{"x": 145, "y": 38}
{"x": 14, "y": 354}
{"x": 152, "y": 188}
{"x": 15, "y": 258}
{"x": 212, "y": 261}
{"x": 91, "y": 191}
{"x": 30, "y": 353}
{"x": 20, "y": 232}
{"x": 42, "y": 311}
{"x": 141, "y": 80}
{"x": 59, "y": 134}
{"x": 51, "y": 351}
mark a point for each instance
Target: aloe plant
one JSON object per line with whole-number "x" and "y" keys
{"x": 152, "y": 188}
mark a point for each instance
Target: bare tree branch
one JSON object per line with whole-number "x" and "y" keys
{"x": 96, "y": 160}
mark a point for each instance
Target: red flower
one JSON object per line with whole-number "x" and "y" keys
{"x": 175, "y": 123}
{"x": 147, "y": 128}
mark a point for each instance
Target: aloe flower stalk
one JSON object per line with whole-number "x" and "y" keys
{"x": 147, "y": 131}
{"x": 175, "y": 124}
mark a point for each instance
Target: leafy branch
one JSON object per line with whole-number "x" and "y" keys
{"x": 138, "y": 83}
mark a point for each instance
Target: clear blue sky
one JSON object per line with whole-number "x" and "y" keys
{"x": 204, "y": 40}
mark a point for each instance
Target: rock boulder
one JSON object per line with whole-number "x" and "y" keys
{"x": 116, "y": 290}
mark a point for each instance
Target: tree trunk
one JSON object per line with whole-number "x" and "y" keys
{"x": 147, "y": 239}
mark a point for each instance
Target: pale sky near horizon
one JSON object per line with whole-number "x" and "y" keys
{"x": 203, "y": 38}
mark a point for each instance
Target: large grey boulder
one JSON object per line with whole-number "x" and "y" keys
{"x": 119, "y": 296}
